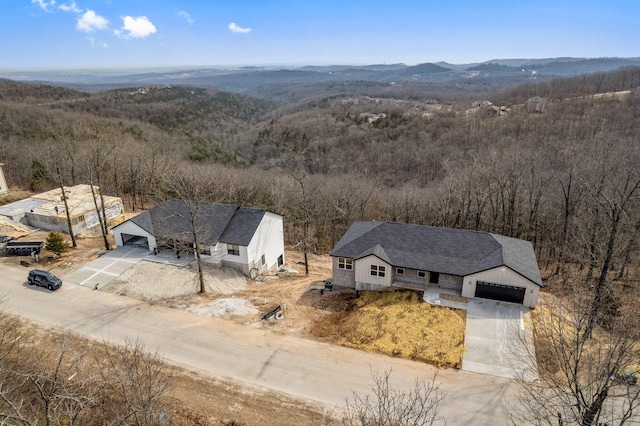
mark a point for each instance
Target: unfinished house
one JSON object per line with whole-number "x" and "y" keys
{"x": 47, "y": 210}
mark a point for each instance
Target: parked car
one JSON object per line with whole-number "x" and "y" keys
{"x": 44, "y": 279}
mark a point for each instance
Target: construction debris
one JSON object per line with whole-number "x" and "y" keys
{"x": 271, "y": 312}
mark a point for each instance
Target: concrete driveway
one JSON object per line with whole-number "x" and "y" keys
{"x": 107, "y": 267}
{"x": 497, "y": 338}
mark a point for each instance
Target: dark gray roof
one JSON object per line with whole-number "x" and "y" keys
{"x": 519, "y": 256}
{"x": 449, "y": 251}
{"x": 242, "y": 226}
{"x": 214, "y": 222}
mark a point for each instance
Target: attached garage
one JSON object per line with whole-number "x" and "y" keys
{"x": 131, "y": 234}
{"x": 502, "y": 283}
{"x": 135, "y": 240}
{"x": 505, "y": 293}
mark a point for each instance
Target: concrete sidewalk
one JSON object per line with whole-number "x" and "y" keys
{"x": 497, "y": 340}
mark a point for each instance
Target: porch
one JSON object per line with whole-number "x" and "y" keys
{"x": 408, "y": 285}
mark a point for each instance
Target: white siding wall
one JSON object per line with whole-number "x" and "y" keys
{"x": 268, "y": 240}
{"x": 363, "y": 272}
{"x": 3, "y": 183}
{"x": 237, "y": 262}
{"x": 502, "y": 275}
{"x": 132, "y": 229}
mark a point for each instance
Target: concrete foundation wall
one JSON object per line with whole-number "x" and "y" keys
{"x": 241, "y": 267}
{"x": 369, "y": 286}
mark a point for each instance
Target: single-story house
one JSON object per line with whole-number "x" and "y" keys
{"x": 46, "y": 210}
{"x": 384, "y": 255}
{"x": 246, "y": 239}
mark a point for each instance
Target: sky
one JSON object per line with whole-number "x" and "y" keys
{"x": 98, "y": 34}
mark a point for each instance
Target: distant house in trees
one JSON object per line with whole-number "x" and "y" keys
{"x": 536, "y": 104}
{"x": 246, "y": 239}
{"x": 480, "y": 104}
{"x": 386, "y": 255}
{"x": 47, "y": 210}
{"x": 484, "y": 108}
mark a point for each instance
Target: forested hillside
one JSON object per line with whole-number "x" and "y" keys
{"x": 564, "y": 177}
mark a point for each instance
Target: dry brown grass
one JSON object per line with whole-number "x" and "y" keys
{"x": 400, "y": 325}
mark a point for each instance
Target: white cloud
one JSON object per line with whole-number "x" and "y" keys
{"x": 236, "y": 29}
{"x": 138, "y": 27}
{"x": 93, "y": 43}
{"x": 44, "y": 4}
{"x": 185, "y": 15}
{"x": 90, "y": 21}
{"x": 71, "y": 7}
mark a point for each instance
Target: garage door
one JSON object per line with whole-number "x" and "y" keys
{"x": 505, "y": 293}
{"x": 135, "y": 241}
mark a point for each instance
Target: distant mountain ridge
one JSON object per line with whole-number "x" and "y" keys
{"x": 264, "y": 81}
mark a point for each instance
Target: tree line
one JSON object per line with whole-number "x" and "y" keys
{"x": 547, "y": 177}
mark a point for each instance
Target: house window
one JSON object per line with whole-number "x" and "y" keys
{"x": 345, "y": 263}
{"x": 422, "y": 274}
{"x": 399, "y": 271}
{"x": 233, "y": 249}
{"x": 434, "y": 277}
{"x": 378, "y": 271}
{"x": 263, "y": 260}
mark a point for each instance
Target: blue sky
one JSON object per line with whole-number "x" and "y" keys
{"x": 54, "y": 34}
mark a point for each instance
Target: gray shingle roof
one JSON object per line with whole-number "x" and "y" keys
{"x": 443, "y": 250}
{"x": 242, "y": 226}
{"x": 214, "y": 222}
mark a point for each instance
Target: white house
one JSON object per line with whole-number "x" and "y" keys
{"x": 383, "y": 255}
{"x": 247, "y": 239}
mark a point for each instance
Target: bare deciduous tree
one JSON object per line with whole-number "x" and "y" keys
{"x": 613, "y": 187}
{"x": 137, "y": 381}
{"x": 387, "y": 405}
{"x": 190, "y": 188}
{"x": 69, "y": 381}
{"x": 580, "y": 381}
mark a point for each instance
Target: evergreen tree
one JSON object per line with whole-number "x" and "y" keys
{"x": 56, "y": 243}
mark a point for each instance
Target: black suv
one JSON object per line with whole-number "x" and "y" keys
{"x": 44, "y": 279}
